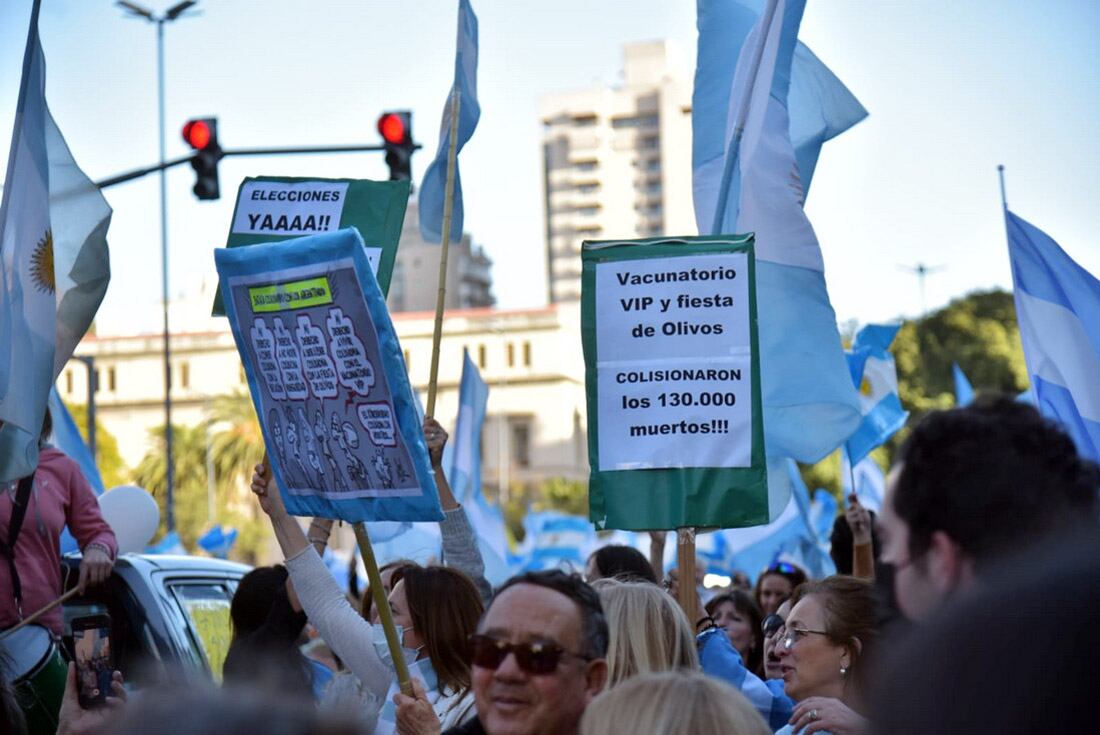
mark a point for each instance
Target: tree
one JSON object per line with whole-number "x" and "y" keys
{"x": 979, "y": 332}
{"x": 112, "y": 468}
{"x": 190, "y": 481}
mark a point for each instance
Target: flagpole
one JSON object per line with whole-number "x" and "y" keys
{"x": 382, "y": 605}
{"x": 685, "y": 563}
{"x": 734, "y": 149}
{"x": 448, "y": 206}
{"x": 1001, "y": 174}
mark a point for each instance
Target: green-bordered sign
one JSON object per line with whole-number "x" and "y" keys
{"x": 273, "y": 208}
{"x": 675, "y": 434}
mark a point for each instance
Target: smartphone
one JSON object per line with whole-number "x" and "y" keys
{"x": 92, "y": 646}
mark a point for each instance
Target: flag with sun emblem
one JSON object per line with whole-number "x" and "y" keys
{"x": 876, "y": 376}
{"x": 53, "y": 264}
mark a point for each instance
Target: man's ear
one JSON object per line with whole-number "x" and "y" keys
{"x": 948, "y": 566}
{"x": 595, "y": 678}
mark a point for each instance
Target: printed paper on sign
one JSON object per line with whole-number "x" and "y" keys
{"x": 675, "y": 428}
{"x": 328, "y": 380}
{"x": 691, "y": 410}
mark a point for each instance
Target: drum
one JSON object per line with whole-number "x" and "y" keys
{"x": 32, "y": 662}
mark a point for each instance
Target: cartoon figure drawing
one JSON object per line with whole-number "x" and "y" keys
{"x": 347, "y": 439}
{"x": 311, "y": 449}
{"x": 322, "y": 440}
{"x": 275, "y": 425}
{"x": 383, "y": 469}
{"x": 293, "y": 447}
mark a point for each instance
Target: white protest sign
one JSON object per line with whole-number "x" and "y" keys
{"x": 674, "y": 362}
{"x": 279, "y": 208}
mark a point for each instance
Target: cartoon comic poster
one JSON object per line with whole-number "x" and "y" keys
{"x": 328, "y": 379}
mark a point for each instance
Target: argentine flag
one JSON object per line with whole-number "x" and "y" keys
{"x": 747, "y": 178}
{"x": 875, "y": 374}
{"x": 53, "y": 263}
{"x": 866, "y": 480}
{"x": 433, "y": 187}
{"x": 1058, "y": 309}
{"x": 964, "y": 392}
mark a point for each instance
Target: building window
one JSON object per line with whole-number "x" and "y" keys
{"x": 95, "y": 380}
{"x": 69, "y": 382}
{"x": 584, "y": 121}
{"x": 527, "y": 354}
{"x": 511, "y": 354}
{"x": 111, "y": 378}
{"x": 585, "y": 165}
{"x": 481, "y": 356}
{"x": 185, "y": 375}
{"x": 406, "y": 354}
{"x": 520, "y": 441}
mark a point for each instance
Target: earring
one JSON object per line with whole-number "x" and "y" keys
{"x": 843, "y": 670}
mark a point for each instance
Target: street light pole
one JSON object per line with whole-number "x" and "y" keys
{"x": 169, "y": 15}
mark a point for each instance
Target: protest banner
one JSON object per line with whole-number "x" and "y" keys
{"x": 276, "y": 208}
{"x": 675, "y": 433}
{"x": 328, "y": 379}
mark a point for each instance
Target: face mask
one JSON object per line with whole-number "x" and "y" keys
{"x": 382, "y": 648}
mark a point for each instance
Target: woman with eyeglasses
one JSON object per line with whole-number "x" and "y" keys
{"x": 773, "y": 631}
{"x": 821, "y": 652}
{"x": 435, "y": 610}
{"x": 776, "y": 584}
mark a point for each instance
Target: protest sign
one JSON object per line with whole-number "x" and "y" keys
{"x": 675, "y": 434}
{"x": 275, "y": 208}
{"x": 328, "y": 379}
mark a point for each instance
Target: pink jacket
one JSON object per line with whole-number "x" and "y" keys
{"x": 61, "y": 496}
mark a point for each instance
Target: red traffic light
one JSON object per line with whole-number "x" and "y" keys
{"x": 197, "y": 134}
{"x": 393, "y": 129}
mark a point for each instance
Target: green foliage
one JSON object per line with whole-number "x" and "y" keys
{"x": 221, "y": 451}
{"x": 112, "y": 469}
{"x": 979, "y": 332}
{"x": 557, "y": 493}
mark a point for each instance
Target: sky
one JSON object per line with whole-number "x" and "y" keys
{"x": 953, "y": 87}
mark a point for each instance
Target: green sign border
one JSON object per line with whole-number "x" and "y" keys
{"x": 375, "y": 208}
{"x": 701, "y": 497}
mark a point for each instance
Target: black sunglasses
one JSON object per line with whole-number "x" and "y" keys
{"x": 534, "y": 658}
{"x": 771, "y": 624}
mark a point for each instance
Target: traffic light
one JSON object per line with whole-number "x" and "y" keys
{"x": 202, "y": 135}
{"x": 396, "y": 131}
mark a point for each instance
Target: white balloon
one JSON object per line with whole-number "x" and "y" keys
{"x": 132, "y": 514}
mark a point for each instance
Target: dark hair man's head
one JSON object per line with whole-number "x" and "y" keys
{"x": 539, "y": 657}
{"x": 972, "y": 485}
{"x": 618, "y": 561}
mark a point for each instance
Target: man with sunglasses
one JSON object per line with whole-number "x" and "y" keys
{"x": 537, "y": 657}
{"x": 973, "y": 486}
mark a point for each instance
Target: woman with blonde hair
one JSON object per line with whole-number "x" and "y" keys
{"x": 672, "y": 703}
{"x": 648, "y": 630}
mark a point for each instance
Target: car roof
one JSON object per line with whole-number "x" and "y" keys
{"x": 175, "y": 563}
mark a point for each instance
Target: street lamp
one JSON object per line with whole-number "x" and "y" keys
{"x": 174, "y": 12}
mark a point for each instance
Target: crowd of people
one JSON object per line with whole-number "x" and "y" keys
{"x": 966, "y": 605}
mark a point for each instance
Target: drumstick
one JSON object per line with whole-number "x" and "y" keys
{"x": 39, "y": 613}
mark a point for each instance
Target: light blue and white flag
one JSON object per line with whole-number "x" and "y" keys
{"x": 53, "y": 263}
{"x": 798, "y": 535}
{"x": 433, "y": 187}
{"x": 170, "y": 544}
{"x": 218, "y": 541}
{"x": 67, "y": 438}
{"x": 1058, "y": 309}
{"x": 554, "y": 540}
{"x": 748, "y": 181}
{"x": 869, "y": 481}
{"x": 463, "y": 467}
{"x": 875, "y": 374}
{"x": 964, "y": 392}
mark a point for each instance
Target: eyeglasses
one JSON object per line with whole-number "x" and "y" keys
{"x": 772, "y": 625}
{"x": 794, "y": 635}
{"x": 537, "y": 658}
